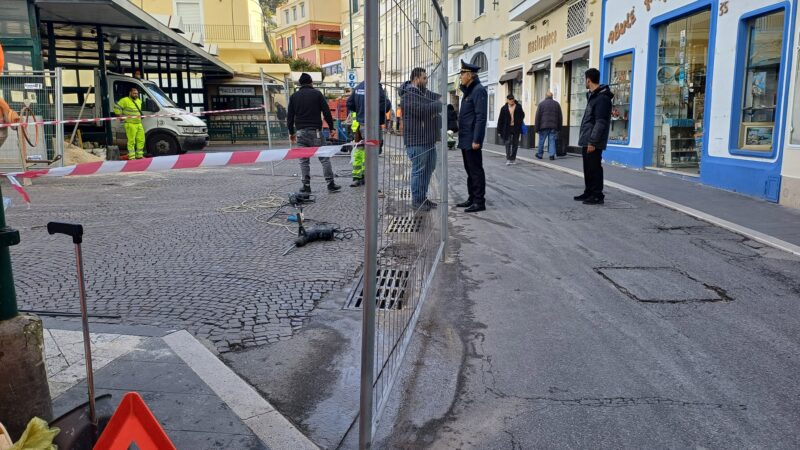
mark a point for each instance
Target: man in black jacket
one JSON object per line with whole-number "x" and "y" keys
{"x": 509, "y": 127}
{"x": 307, "y": 106}
{"x": 594, "y": 137}
{"x": 548, "y": 124}
{"x": 471, "y": 132}
{"x": 422, "y": 125}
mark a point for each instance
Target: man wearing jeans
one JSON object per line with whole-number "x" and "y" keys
{"x": 548, "y": 124}
{"x": 307, "y": 106}
{"x": 422, "y": 123}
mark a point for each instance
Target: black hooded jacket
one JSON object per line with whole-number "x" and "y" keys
{"x": 597, "y": 118}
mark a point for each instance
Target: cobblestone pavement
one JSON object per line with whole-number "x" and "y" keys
{"x": 159, "y": 250}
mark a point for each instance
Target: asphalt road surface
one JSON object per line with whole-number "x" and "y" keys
{"x": 628, "y": 325}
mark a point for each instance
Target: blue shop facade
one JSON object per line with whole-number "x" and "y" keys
{"x": 701, "y": 88}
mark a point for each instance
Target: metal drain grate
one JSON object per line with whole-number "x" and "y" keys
{"x": 403, "y": 194}
{"x": 391, "y": 291}
{"x": 404, "y": 224}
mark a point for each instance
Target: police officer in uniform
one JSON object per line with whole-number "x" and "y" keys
{"x": 471, "y": 132}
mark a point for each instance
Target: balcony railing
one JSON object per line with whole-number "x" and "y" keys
{"x": 225, "y": 33}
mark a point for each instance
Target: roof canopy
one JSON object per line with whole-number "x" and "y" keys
{"x": 131, "y": 38}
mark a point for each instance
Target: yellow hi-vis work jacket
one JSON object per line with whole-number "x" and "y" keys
{"x": 129, "y": 107}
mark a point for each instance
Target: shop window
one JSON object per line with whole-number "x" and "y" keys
{"x": 577, "y": 97}
{"x": 513, "y": 46}
{"x": 764, "y": 36}
{"x": 576, "y": 18}
{"x": 620, "y": 70}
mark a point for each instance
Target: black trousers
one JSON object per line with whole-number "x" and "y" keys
{"x": 476, "y": 178}
{"x": 593, "y": 172}
{"x": 512, "y": 144}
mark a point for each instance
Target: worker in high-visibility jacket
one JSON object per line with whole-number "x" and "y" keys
{"x": 134, "y": 131}
{"x": 358, "y": 156}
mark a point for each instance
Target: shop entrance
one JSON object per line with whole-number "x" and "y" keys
{"x": 680, "y": 92}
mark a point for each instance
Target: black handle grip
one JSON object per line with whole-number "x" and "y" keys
{"x": 70, "y": 229}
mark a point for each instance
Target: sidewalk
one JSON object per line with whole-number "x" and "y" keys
{"x": 200, "y": 403}
{"x": 758, "y": 219}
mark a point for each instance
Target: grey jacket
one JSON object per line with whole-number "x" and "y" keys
{"x": 422, "y": 115}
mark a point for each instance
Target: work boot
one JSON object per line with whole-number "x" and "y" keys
{"x": 357, "y": 182}
{"x": 131, "y": 156}
{"x": 333, "y": 187}
{"x": 306, "y": 189}
{"x": 139, "y": 155}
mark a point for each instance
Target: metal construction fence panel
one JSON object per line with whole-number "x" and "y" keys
{"x": 406, "y": 226}
{"x": 31, "y": 97}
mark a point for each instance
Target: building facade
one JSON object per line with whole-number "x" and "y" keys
{"x": 703, "y": 88}
{"x": 309, "y": 30}
{"x": 790, "y": 168}
{"x": 551, "y": 51}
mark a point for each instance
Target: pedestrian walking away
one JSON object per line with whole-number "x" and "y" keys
{"x": 306, "y": 109}
{"x": 421, "y": 128}
{"x": 452, "y": 119}
{"x": 471, "y": 132}
{"x": 594, "y": 137}
{"x": 509, "y": 127}
{"x": 547, "y": 125}
{"x": 134, "y": 131}
{"x": 356, "y": 104}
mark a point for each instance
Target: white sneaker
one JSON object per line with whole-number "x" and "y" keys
{"x": 508, "y": 163}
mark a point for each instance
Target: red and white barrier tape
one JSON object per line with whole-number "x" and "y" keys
{"x": 174, "y": 162}
{"x": 107, "y": 119}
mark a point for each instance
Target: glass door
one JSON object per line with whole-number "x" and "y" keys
{"x": 680, "y": 92}
{"x": 577, "y": 98}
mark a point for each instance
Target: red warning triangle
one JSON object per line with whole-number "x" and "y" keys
{"x": 133, "y": 422}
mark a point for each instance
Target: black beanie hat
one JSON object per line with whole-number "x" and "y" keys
{"x": 305, "y": 79}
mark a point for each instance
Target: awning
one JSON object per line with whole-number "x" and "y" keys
{"x": 581, "y": 53}
{"x": 128, "y": 32}
{"x": 543, "y": 65}
{"x": 513, "y": 75}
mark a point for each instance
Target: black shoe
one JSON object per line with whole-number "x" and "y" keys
{"x": 432, "y": 205}
{"x": 538, "y": 156}
{"x": 580, "y": 198}
{"x": 306, "y": 189}
{"x": 424, "y": 207}
{"x": 465, "y": 204}
{"x": 333, "y": 187}
{"x": 475, "y": 208}
{"x": 357, "y": 182}
{"x": 594, "y": 201}
{"x": 552, "y": 158}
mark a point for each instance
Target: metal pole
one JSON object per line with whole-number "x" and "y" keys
{"x": 373, "y": 89}
{"x": 87, "y": 344}
{"x": 352, "y": 59}
{"x": 8, "y": 296}
{"x": 443, "y": 26}
{"x": 60, "y": 116}
{"x": 266, "y": 107}
{"x": 266, "y": 115}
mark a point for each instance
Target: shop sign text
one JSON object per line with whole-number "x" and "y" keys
{"x": 621, "y": 27}
{"x": 542, "y": 42}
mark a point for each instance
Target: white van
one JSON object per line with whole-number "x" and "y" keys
{"x": 163, "y": 135}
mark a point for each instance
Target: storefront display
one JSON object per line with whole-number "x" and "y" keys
{"x": 577, "y": 97}
{"x": 619, "y": 81}
{"x": 765, "y": 41}
{"x": 680, "y": 92}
